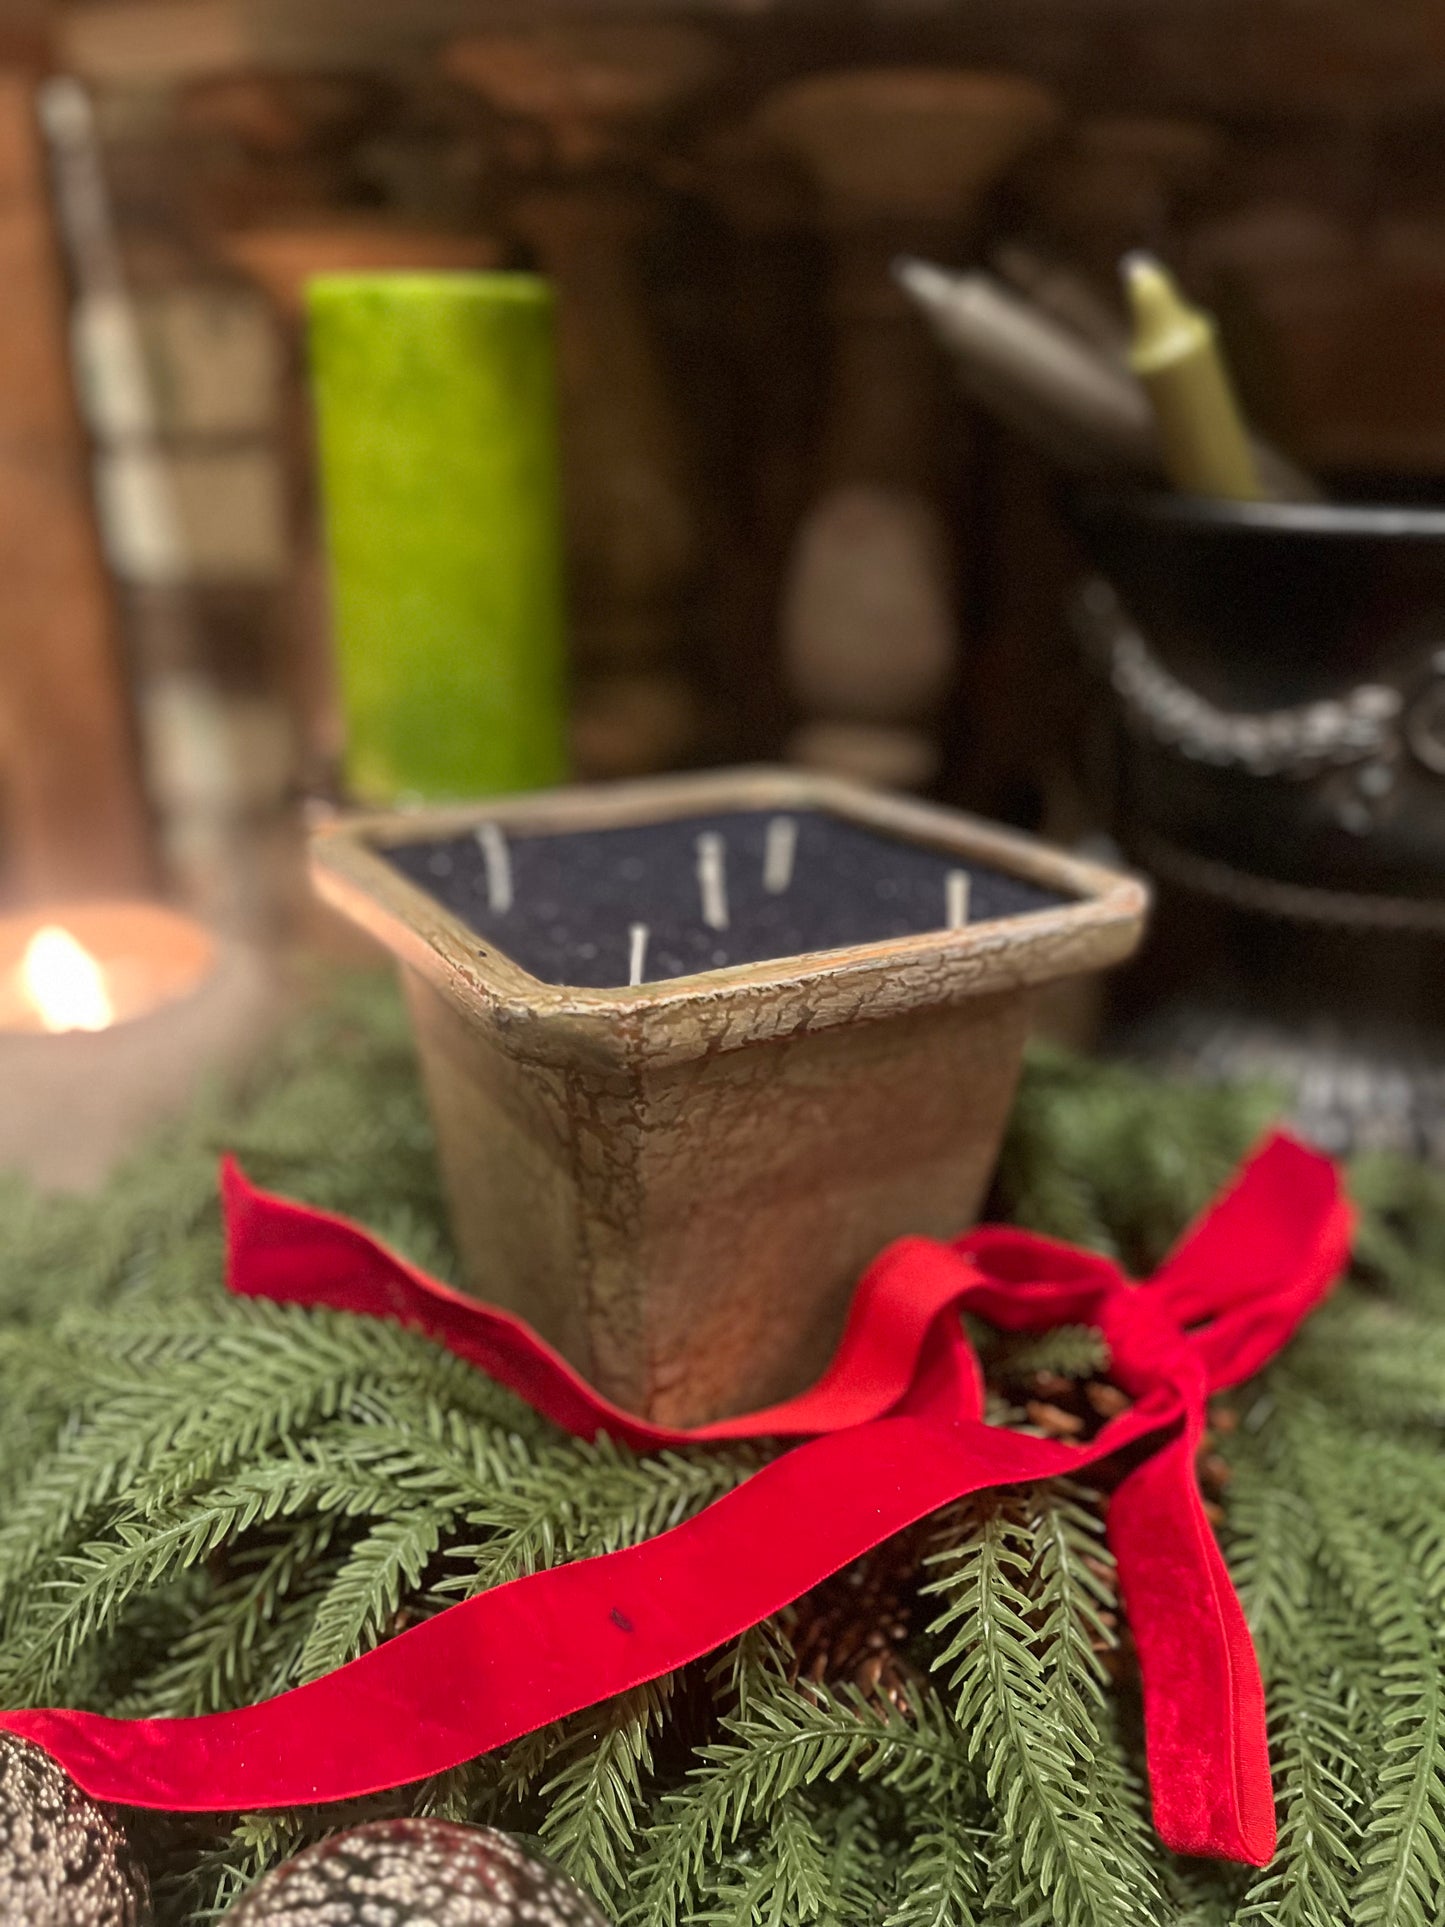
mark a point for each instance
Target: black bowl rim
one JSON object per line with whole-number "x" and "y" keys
{"x": 1379, "y": 521}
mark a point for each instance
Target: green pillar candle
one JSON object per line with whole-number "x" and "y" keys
{"x": 436, "y": 411}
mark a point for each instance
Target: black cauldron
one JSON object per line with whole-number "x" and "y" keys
{"x": 1276, "y": 675}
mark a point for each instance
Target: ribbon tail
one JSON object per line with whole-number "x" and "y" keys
{"x": 497, "y": 1666}
{"x": 1204, "y": 1711}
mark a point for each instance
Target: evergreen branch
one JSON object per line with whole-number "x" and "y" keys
{"x": 1052, "y": 1856}
{"x": 1078, "y": 1600}
{"x": 573, "y": 1500}
{"x": 940, "y": 1883}
{"x": 246, "y": 1640}
{"x": 1306, "y": 1885}
{"x": 364, "y": 1598}
{"x": 858, "y": 1867}
{"x": 595, "y": 1797}
{"x": 1399, "y": 1883}
{"x": 781, "y": 1880}
{"x": 1073, "y": 1351}
{"x": 751, "y": 1671}
{"x": 1201, "y": 1893}
{"x": 1273, "y": 1547}
{"x": 786, "y": 1742}
{"x": 147, "y": 1549}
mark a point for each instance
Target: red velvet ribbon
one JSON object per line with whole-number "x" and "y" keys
{"x": 893, "y": 1430}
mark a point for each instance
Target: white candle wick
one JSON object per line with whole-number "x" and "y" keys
{"x": 636, "y": 952}
{"x": 778, "y": 854}
{"x": 498, "y": 859}
{"x": 712, "y": 879}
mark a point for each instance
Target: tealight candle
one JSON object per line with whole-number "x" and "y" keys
{"x": 697, "y": 1049}
{"x": 109, "y": 1015}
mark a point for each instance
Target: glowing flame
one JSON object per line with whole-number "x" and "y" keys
{"x": 64, "y": 982}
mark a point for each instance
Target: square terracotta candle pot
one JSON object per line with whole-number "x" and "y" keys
{"x": 698, "y": 1048}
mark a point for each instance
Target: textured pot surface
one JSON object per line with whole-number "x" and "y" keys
{"x": 679, "y": 1182}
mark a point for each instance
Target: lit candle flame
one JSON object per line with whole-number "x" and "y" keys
{"x": 64, "y": 982}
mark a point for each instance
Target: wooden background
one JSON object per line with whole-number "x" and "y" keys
{"x": 1286, "y": 154}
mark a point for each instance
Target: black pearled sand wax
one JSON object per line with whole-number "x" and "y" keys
{"x": 579, "y": 897}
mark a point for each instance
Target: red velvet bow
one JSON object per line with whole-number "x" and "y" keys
{"x": 894, "y": 1430}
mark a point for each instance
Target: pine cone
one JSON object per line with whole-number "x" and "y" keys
{"x": 852, "y": 1629}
